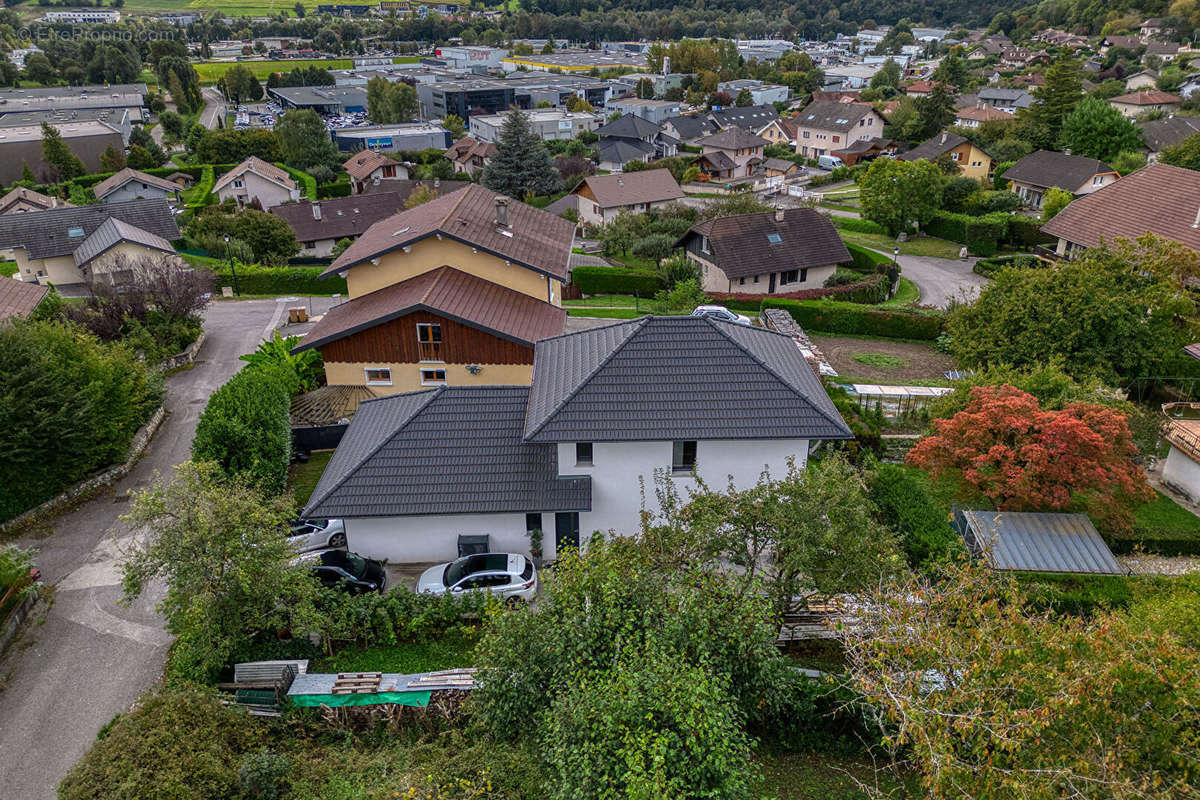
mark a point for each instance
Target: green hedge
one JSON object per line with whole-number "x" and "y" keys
{"x": 617, "y": 280}
{"x": 982, "y": 235}
{"x": 864, "y": 259}
{"x": 202, "y": 191}
{"x": 303, "y": 178}
{"x": 1026, "y": 231}
{"x": 280, "y": 280}
{"x": 327, "y": 190}
{"x": 989, "y": 267}
{"x": 852, "y": 319}
{"x": 1081, "y": 595}
{"x": 858, "y": 225}
{"x": 246, "y": 430}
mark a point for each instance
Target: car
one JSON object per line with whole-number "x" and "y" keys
{"x": 317, "y": 534}
{"x": 829, "y": 162}
{"x": 341, "y": 569}
{"x": 721, "y": 312}
{"x": 507, "y": 575}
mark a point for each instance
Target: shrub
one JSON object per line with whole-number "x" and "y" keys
{"x": 859, "y": 225}
{"x": 857, "y": 320}
{"x": 866, "y": 259}
{"x": 656, "y": 246}
{"x": 989, "y": 267}
{"x": 328, "y": 190}
{"x": 1077, "y": 595}
{"x": 245, "y": 427}
{"x": 1026, "y": 231}
{"x": 982, "y": 235}
{"x": 906, "y": 505}
{"x": 263, "y": 776}
{"x": 281, "y": 280}
{"x": 308, "y": 182}
{"x": 617, "y": 280}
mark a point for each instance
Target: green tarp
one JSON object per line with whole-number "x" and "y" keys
{"x": 380, "y": 698}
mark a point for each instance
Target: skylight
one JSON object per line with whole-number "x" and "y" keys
{"x": 75, "y": 233}
{"x": 774, "y": 238}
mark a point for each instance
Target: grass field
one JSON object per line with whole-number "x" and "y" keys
{"x": 303, "y": 477}
{"x": 916, "y": 246}
{"x": 255, "y": 8}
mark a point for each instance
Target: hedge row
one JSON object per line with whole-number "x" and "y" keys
{"x": 858, "y": 225}
{"x": 870, "y": 289}
{"x": 864, "y": 259}
{"x": 203, "y": 190}
{"x": 984, "y": 234}
{"x": 1082, "y": 595}
{"x": 246, "y": 430}
{"x": 303, "y": 178}
{"x": 852, "y": 319}
{"x": 326, "y": 191}
{"x": 617, "y": 280}
{"x": 281, "y": 280}
{"x": 989, "y": 267}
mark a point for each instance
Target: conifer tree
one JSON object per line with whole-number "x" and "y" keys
{"x": 521, "y": 164}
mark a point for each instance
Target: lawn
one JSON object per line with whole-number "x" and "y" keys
{"x": 1162, "y": 526}
{"x": 303, "y": 477}
{"x": 907, "y": 294}
{"x": 8, "y": 268}
{"x": 606, "y": 313}
{"x": 917, "y": 246}
{"x": 825, "y": 776}
{"x": 879, "y": 360}
{"x": 211, "y": 71}
{"x": 452, "y": 650}
{"x": 605, "y": 301}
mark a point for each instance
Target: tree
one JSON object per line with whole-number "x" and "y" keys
{"x": 521, "y": 163}
{"x": 64, "y": 164}
{"x": 39, "y": 69}
{"x": 952, "y": 70}
{"x": 389, "y": 102}
{"x": 141, "y": 158}
{"x": 299, "y": 9}
{"x": 304, "y": 140}
{"x": 888, "y": 76}
{"x": 934, "y": 112}
{"x": 744, "y": 98}
{"x": 1055, "y": 201}
{"x": 237, "y": 80}
{"x": 645, "y": 89}
{"x": 986, "y": 700}
{"x": 220, "y": 548}
{"x": 896, "y": 193}
{"x": 1054, "y": 100}
{"x": 233, "y": 146}
{"x": 1005, "y": 449}
{"x": 1097, "y": 130}
{"x": 112, "y": 159}
{"x": 456, "y": 126}
{"x": 172, "y": 125}
{"x": 177, "y": 74}
{"x": 1127, "y": 161}
{"x": 141, "y": 137}
{"x": 1185, "y": 154}
{"x": 1111, "y": 312}
{"x": 267, "y": 237}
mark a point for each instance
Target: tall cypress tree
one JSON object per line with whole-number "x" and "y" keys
{"x": 55, "y": 152}
{"x": 521, "y": 164}
{"x": 1055, "y": 100}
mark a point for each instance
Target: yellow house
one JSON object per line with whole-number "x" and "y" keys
{"x": 452, "y": 292}
{"x": 972, "y": 162}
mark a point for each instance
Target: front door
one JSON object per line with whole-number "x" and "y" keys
{"x": 566, "y": 531}
{"x": 771, "y": 288}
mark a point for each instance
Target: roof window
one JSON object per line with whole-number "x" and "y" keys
{"x": 774, "y": 238}
{"x": 74, "y": 233}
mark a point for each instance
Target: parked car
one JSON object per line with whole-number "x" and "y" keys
{"x": 829, "y": 162}
{"x": 721, "y": 312}
{"x": 317, "y": 534}
{"x": 341, "y": 569}
{"x": 506, "y": 575}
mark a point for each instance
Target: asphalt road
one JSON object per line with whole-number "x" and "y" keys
{"x": 215, "y": 108}
{"x": 91, "y": 657}
{"x": 942, "y": 279}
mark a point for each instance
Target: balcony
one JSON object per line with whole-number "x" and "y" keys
{"x": 430, "y": 351}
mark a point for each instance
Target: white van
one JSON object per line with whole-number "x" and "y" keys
{"x": 829, "y": 162}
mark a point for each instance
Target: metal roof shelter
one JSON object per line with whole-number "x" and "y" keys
{"x": 1036, "y": 542}
{"x": 895, "y": 401}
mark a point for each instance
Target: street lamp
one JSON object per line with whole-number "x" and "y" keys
{"x": 232, "y": 268}
{"x": 895, "y": 254}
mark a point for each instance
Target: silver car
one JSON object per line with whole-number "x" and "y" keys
{"x": 506, "y": 575}
{"x": 317, "y": 534}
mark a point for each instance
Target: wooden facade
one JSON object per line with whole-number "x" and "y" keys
{"x": 396, "y": 342}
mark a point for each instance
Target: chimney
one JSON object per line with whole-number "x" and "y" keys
{"x": 316, "y": 209}
{"x": 779, "y": 215}
{"x": 943, "y": 137}
{"x": 436, "y": 183}
{"x": 502, "y": 212}
{"x": 1196, "y": 223}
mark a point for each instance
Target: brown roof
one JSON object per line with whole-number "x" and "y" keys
{"x": 364, "y": 162}
{"x": 469, "y": 146}
{"x": 118, "y": 179}
{"x": 448, "y": 292}
{"x": 339, "y": 216}
{"x": 627, "y": 188}
{"x": 19, "y": 299}
{"x": 831, "y": 116}
{"x": 935, "y": 146}
{"x": 533, "y": 238}
{"x": 741, "y": 245}
{"x": 733, "y": 138}
{"x": 1158, "y": 198}
{"x": 256, "y": 164}
{"x": 1149, "y": 97}
{"x": 29, "y": 196}
{"x": 984, "y": 114}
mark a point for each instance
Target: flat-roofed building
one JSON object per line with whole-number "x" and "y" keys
{"x": 546, "y": 124}
{"x": 22, "y": 146}
{"x": 402, "y": 137}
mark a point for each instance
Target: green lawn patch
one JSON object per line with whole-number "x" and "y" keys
{"x": 606, "y": 313}
{"x": 212, "y": 71}
{"x": 825, "y": 776}
{"x": 8, "y": 268}
{"x": 452, "y": 650}
{"x": 907, "y": 294}
{"x": 606, "y": 301}
{"x": 878, "y": 360}
{"x": 303, "y": 477}
{"x": 1161, "y": 526}
{"x": 917, "y": 246}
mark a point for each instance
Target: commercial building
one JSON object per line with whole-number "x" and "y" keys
{"x": 22, "y": 146}
{"x": 546, "y": 124}
{"x": 325, "y": 100}
{"x": 475, "y": 59}
{"x": 760, "y": 93}
{"x": 402, "y": 137}
{"x": 83, "y": 16}
{"x": 115, "y": 117}
{"x": 131, "y": 96}
{"x": 463, "y": 98}
{"x": 581, "y": 61}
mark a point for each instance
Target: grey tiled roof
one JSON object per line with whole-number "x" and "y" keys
{"x": 112, "y": 233}
{"x": 1037, "y": 542}
{"x": 46, "y": 234}
{"x": 676, "y": 378}
{"x": 452, "y": 450}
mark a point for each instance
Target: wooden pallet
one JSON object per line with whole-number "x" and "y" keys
{"x": 357, "y": 682}
{"x": 463, "y": 678}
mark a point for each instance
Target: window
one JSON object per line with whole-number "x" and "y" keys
{"x": 429, "y": 341}
{"x": 806, "y": 135}
{"x": 433, "y": 377}
{"x": 741, "y": 281}
{"x": 789, "y": 276}
{"x": 954, "y": 156}
{"x": 704, "y": 244}
{"x": 683, "y": 457}
{"x": 1097, "y": 179}
{"x": 533, "y": 522}
{"x": 756, "y": 279}
{"x": 837, "y": 139}
{"x": 74, "y": 233}
{"x": 379, "y": 377}
{"x": 239, "y": 183}
{"x": 583, "y": 454}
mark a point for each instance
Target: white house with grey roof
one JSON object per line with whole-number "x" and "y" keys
{"x": 609, "y": 411}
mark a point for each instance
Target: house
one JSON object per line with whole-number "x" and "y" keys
{"x": 732, "y": 153}
{"x": 320, "y": 225}
{"x": 1157, "y": 198}
{"x": 1032, "y": 175}
{"x": 507, "y": 263}
{"x": 779, "y": 131}
{"x": 1165, "y": 51}
{"x": 780, "y": 168}
{"x": 992, "y": 46}
{"x": 470, "y": 155}
{"x": 747, "y": 117}
{"x": 609, "y": 410}
{"x": 1181, "y": 469}
{"x": 655, "y": 111}
{"x": 1131, "y": 43}
{"x": 972, "y": 162}
{"x": 547, "y": 124}
{"x": 772, "y": 252}
{"x": 602, "y": 197}
{"x": 689, "y": 128}
{"x": 73, "y": 244}
{"x": 1151, "y": 28}
{"x": 825, "y": 126}
{"x": 1023, "y": 541}
{"x": 182, "y": 180}
{"x": 923, "y": 88}
{"x": 631, "y": 138}
{"x": 254, "y": 181}
{"x": 1010, "y": 100}
{"x": 761, "y": 94}
{"x": 1137, "y": 103}
{"x": 1145, "y": 79}
{"x": 975, "y": 116}
{"x": 21, "y": 199}
{"x": 1158, "y": 134}
{"x": 19, "y": 299}
{"x": 1019, "y": 57}
{"x": 130, "y": 184}
{"x": 370, "y": 168}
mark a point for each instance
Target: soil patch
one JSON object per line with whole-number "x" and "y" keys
{"x": 873, "y": 360}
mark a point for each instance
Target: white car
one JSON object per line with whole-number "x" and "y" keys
{"x": 317, "y": 534}
{"x": 721, "y": 312}
{"x": 506, "y": 575}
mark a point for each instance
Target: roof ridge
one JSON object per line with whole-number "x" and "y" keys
{"x": 454, "y": 209}
{"x": 639, "y": 324}
{"x": 772, "y": 370}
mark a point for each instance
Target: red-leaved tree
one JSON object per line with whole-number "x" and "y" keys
{"x": 1005, "y": 448}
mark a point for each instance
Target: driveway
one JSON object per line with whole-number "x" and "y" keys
{"x": 214, "y": 110}
{"x": 91, "y": 658}
{"x": 942, "y": 279}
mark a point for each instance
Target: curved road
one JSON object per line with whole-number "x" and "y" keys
{"x": 90, "y": 658}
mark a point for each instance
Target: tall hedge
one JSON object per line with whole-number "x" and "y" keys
{"x": 246, "y": 429}
{"x": 617, "y": 280}
{"x": 865, "y": 259}
{"x": 852, "y": 319}
{"x": 858, "y": 225}
{"x": 280, "y": 280}
{"x": 71, "y": 405}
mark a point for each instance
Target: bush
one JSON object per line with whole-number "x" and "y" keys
{"x": 1078, "y": 595}
{"x": 308, "y": 182}
{"x": 263, "y": 776}
{"x": 869, "y": 290}
{"x": 202, "y": 191}
{"x": 246, "y": 430}
{"x": 281, "y": 280}
{"x": 989, "y": 267}
{"x": 859, "y": 225}
{"x": 856, "y": 320}
{"x": 906, "y": 505}
{"x": 617, "y": 280}
{"x": 1026, "y": 231}
{"x": 328, "y": 190}
{"x": 865, "y": 259}
{"x": 982, "y": 235}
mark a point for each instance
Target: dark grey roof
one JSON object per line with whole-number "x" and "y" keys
{"x": 112, "y": 233}
{"x": 673, "y": 378}
{"x": 46, "y": 234}
{"x": 1168, "y": 132}
{"x": 628, "y": 126}
{"x": 931, "y": 148}
{"x": 691, "y": 127}
{"x": 1047, "y": 168}
{"x": 622, "y": 151}
{"x": 1036, "y": 542}
{"x": 753, "y": 117}
{"x": 831, "y": 115}
{"x": 452, "y": 450}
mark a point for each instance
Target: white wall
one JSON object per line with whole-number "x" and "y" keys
{"x": 434, "y": 537}
{"x": 1182, "y": 474}
{"x": 621, "y": 469}
{"x": 134, "y": 190}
